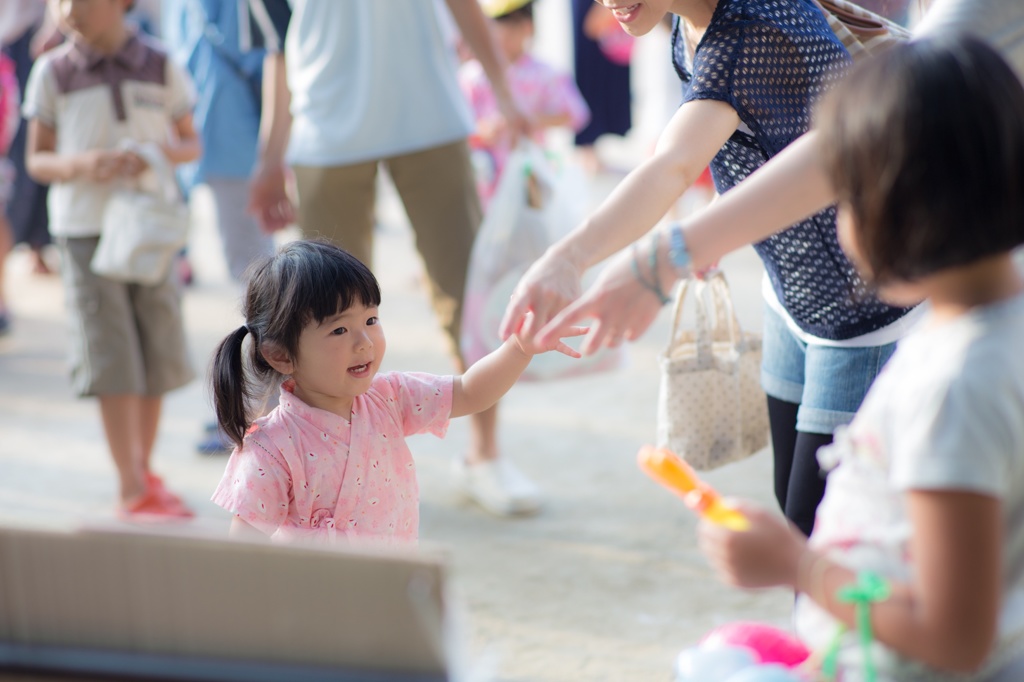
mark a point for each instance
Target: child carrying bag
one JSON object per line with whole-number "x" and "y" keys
{"x": 142, "y": 231}
{"x": 711, "y": 407}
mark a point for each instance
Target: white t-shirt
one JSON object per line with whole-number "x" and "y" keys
{"x": 369, "y": 80}
{"x": 945, "y": 413}
{"x": 890, "y": 333}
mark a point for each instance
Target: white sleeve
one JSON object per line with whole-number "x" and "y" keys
{"x": 40, "y": 100}
{"x": 962, "y": 438}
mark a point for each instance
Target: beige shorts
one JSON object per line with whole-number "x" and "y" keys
{"x": 438, "y": 190}
{"x": 126, "y": 339}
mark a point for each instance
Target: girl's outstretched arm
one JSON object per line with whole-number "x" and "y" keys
{"x": 692, "y": 138}
{"x": 488, "y": 379}
{"x": 946, "y": 618}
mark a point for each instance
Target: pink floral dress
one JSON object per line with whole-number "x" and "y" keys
{"x": 302, "y": 472}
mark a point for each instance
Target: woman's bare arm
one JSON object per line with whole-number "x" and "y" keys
{"x": 784, "y": 191}
{"x": 692, "y": 138}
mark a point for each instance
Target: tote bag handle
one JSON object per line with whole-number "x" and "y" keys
{"x": 711, "y": 295}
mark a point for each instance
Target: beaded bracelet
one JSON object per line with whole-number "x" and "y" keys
{"x": 653, "y": 288}
{"x": 654, "y": 271}
{"x": 678, "y": 253}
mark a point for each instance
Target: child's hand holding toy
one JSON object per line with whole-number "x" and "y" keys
{"x": 747, "y": 545}
{"x": 665, "y": 467}
{"x": 730, "y": 534}
{"x": 767, "y": 554}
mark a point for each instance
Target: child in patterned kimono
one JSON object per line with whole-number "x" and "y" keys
{"x": 547, "y": 96}
{"x": 331, "y": 462}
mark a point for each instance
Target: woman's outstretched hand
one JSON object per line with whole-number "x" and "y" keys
{"x": 529, "y": 345}
{"x": 621, "y": 306}
{"x": 546, "y": 288}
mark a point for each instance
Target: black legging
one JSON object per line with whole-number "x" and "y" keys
{"x": 799, "y": 481}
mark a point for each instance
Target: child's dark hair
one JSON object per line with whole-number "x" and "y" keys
{"x": 925, "y": 146}
{"x": 305, "y": 281}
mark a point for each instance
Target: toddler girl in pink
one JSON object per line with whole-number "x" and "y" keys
{"x": 330, "y": 461}
{"x": 548, "y": 97}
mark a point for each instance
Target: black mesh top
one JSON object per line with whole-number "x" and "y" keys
{"x": 770, "y": 60}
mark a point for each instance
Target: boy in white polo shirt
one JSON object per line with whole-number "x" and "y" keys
{"x": 103, "y": 87}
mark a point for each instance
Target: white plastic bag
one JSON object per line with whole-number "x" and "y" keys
{"x": 536, "y": 202}
{"x": 142, "y": 231}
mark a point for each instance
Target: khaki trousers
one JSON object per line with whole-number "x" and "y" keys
{"x": 438, "y": 191}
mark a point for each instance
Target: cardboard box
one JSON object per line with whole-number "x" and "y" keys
{"x": 177, "y": 606}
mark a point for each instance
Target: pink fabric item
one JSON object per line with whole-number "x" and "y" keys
{"x": 617, "y": 46}
{"x": 10, "y": 102}
{"x": 539, "y": 90}
{"x": 771, "y": 644}
{"x": 307, "y": 473}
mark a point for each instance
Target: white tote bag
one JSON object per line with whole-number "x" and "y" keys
{"x": 711, "y": 407}
{"x": 142, "y": 231}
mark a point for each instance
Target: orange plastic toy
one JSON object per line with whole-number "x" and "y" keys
{"x": 665, "y": 467}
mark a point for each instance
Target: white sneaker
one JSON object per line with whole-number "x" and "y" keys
{"x": 498, "y": 486}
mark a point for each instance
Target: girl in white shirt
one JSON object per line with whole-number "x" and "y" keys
{"x": 926, "y": 488}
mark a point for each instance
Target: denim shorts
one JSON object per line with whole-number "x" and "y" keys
{"x": 827, "y": 382}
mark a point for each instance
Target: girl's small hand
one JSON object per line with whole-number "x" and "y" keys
{"x": 622, "y": 306}
{"x": 765, "y": 555}
{"x": 529, "y": 345}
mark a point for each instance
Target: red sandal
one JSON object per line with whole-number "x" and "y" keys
{"x": 156, "y": 505}
{"x": 156, "y": 484}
